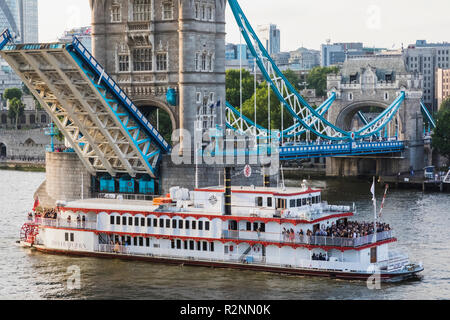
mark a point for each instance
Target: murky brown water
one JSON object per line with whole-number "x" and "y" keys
{"x": 421, "y": 222}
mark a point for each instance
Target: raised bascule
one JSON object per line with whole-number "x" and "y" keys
{"x": 103, "y": 191}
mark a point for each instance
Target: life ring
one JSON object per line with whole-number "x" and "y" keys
{"x": 130, "y": 184}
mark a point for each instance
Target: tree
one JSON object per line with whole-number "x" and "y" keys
{"x": 441, "y": 134}
{"x": 233, "y": 87}
{"x": 317, "y": 79}
{"x": 16, "y": 110}
{"x": 248, "y": 109}
{"x": 293, "y": 78}
{"x": 12, "y": 93}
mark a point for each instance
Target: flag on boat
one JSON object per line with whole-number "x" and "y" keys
{"x": 384, "y": 198}
{"x": 36, "y": 203}
{"x": 373, "y": 191}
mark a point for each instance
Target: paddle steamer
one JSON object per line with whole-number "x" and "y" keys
{"x": 268, "y": 229}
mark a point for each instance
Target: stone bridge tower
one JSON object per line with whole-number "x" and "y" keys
{"x": 154, "y": 46}
{"x": 367, "y": 83}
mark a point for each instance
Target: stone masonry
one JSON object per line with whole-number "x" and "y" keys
{"x": 376, "y": 82}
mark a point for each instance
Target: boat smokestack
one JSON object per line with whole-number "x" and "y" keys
{"x": 227, "y": 180}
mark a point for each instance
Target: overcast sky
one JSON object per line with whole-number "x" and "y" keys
{"x": 379, "y": 23}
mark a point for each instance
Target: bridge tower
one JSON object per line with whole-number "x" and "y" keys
{"x": 370, "y": 84}
{"x": 156, "y": 47}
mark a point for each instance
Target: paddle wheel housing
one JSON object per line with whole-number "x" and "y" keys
{"x": 28, "y": 232}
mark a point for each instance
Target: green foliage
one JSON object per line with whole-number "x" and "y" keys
{"x": 233, "y": 87}
{"x": 317, "y": 78}
{"x": 293, "y": 78}
{"x": 441, "y": 134}
{"x": 248, "y": 109}
{"x": 12, "y": 93}
{"x": 16, "y": 110}
{"x": 165, "y": 124}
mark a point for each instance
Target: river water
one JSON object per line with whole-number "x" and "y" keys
{"x": 421, "y": 223}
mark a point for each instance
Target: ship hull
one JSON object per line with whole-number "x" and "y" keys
{"x": 397, "y": 276}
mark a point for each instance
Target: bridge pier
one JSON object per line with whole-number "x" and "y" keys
{"x": 65, "y": 176}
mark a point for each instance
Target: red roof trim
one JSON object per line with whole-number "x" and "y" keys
{"x": 261, "y": 192}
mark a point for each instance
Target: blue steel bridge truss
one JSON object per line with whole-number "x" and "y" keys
{"x": 97, "y": 118}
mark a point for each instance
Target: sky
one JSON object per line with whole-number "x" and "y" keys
{"x": 308, "y": 23}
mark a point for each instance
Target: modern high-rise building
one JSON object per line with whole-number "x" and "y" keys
{"x": 336, "y": 53}
{"x": 21, "y": 18}
{"x": 270, "y": 37}
{"x": 29, "y": 26}
{"x": 442, "y": 85}
{"x": 425, "y": 58}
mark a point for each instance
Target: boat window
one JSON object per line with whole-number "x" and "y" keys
{"x": 112, "y": 220}
{"x": 173, "y": 244}
{"x": 135, "y": 241}
{"x": 161, "y": 223}
{"x": 259, "y": 201}
{"x": 72, "y": 237}
{"x": 174, "y": 224}
{"x": 249, "y": 226}
{"x": 211, "y": 246}
{"x": 269, "y": 202}
{"x": 142, "y": 222}
{"x": 118, "y": 220}
{"x": 262, "y": 227}
{"x": 185, "y": 245}
{"x": 299, "y": 202}
{"x": 281, "y": 203}
{"x": 147, "y": 242}
{"x": 304, "y": 202}
{"x": 255, "y": 226}
{"x": 200, "y": 225}
{"x": 141, "y": 241}
{"x": 198, "y": 245}
{"x": 136, "y": 221}
{"x": 130, "y": 221}
{"x": 313, "y": 199}
{"x": 178, "y": 244}
{"x": 155, "y": 222}
{"x": 207, "y": 225}
{"x": 149, "y": 222}
{"x": 67, "y": 236}
{"x": 187, "y": 224}
{"x": 292, "y": 204}
{"x": 194, "y": 224}
{"x": 205, "y": 246}
{"x": 180, "y": 224}
{"x": 167, "y": 223}
{"x": 124, "y": 221}
{"x": 191, "y": 245}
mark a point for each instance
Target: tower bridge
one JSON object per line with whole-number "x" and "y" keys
{"x": 171, "y": 55}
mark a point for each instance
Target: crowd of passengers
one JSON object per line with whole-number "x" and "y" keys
{"x": 352, "y": 230}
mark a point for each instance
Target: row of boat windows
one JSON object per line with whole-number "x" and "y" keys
{"x": 193, "y": 245}
{"x": 162, "y": 223}
{"x": 175, "y": 244}
{"x": 304, "y": 202}
{"x": 282, "y": 203}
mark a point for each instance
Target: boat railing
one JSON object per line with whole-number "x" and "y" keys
{"x": 237, "y": 258}
{"x": 69, "y": 224}
{"x": 307, "y": 240}
{"x": 112, "y": 248}
{"x": 125, "y": 196}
